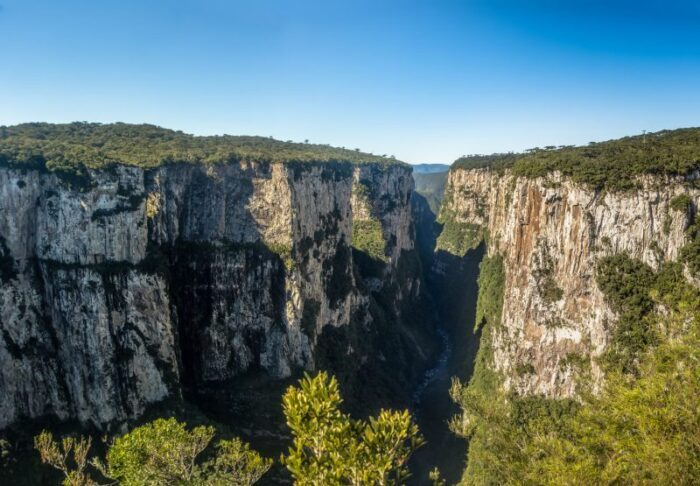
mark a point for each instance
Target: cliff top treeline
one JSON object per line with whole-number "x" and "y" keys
{"x": 613, "y": 164}
{"x": 67, "y": 147}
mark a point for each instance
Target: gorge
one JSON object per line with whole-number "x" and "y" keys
{"x": 146, "y": 272}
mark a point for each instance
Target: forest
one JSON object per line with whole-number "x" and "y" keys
{"x": 72, "y": 147}
{"x": 613, "y": 165}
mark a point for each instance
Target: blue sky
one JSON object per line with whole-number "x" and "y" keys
{"x": 426, "y": 81}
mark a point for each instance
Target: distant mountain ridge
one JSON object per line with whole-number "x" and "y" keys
{"x": 430, "y": 168}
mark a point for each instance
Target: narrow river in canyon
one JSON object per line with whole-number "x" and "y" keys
{"x": 455, "y": 293}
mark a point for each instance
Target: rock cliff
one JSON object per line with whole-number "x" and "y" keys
{"x": 131, "y": 285}
{"x": 550, "y": 232}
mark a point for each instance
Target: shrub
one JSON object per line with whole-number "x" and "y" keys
{"x": 681, "y": 203}
{"x": 70, "y": 456}
{"x": 162, "y": 452}
{"x": 331, "y": 448}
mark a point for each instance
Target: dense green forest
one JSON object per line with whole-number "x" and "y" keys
{"x": 613, "y": 164}
{"x": 70, "y": 147}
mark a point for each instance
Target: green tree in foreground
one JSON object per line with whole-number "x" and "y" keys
{"x": 162, "y": 452}
{"x": 331, "y": 448}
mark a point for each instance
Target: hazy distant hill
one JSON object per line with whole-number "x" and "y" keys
{"x": 431, "y": 185}
{"x": 430, "y": 168}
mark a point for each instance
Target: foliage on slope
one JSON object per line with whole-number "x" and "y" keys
{"x": 613, "y": 164}
{"x": 641, "y": 429}
{"x": 499, "y": 425}
{"x": 457, "y": 237}
{"x": 368, "y": 237}
{"x": 367, "y": 234}
{"x": 74, "y": 146}
{"x": 690, "y": 253}
{"x": 489, "y": 304}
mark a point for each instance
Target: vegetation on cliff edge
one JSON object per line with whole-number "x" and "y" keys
{"x": 368, "y": 237}
{"x": 613, "y": 164}
{"x": 73, "y": 147}
{"x": 489, "y": 304}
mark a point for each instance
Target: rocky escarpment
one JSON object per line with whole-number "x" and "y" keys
{"x": 550, "y": 233}
{"x": 127, "y": 285}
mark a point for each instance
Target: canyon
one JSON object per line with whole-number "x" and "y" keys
{"x": 150, "y": 284}
{"x": 136, "y": 289}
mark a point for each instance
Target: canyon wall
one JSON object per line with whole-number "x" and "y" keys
{"x": 550, "y": 233}
{"x": 131, "y": 286}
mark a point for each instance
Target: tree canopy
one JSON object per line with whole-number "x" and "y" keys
{"x": 613, "y": 164}
{"x": 66, "y": 147}
{"x": 161, "y": 453}
{"x": 330, "y": 448}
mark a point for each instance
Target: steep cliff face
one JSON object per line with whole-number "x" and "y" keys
{"x": 134, "y": 285}
{"x": 550, "y": 233}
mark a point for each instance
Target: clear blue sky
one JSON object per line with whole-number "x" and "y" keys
{"x": 426, "y": 81}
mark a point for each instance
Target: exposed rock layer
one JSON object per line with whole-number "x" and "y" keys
{"x": 550, "y": 233}
{"x": 119, "y": 293}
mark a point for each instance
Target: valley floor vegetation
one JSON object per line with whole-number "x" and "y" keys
{"x": 328, "y": 448}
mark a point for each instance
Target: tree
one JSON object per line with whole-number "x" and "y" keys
{"x": 70, "y": 456}
{"x": 162, "y": 452}
{"x": 331, "y": 448}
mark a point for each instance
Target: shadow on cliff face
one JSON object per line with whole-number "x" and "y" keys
{"x": 227, "y": 296}
{"x": 378, "y": 358}
{"x": 393, "y": 339}
{"x": 453, "y": 288}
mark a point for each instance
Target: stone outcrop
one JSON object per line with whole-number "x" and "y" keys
{"x": 127, "y": 289}
{"x": 550, "y": 233}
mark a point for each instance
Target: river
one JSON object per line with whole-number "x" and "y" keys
{"x": 455, "y": 296}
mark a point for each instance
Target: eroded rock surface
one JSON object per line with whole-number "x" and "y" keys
{"x": 550, "y": 233}
{"x": 118, "y": 293}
